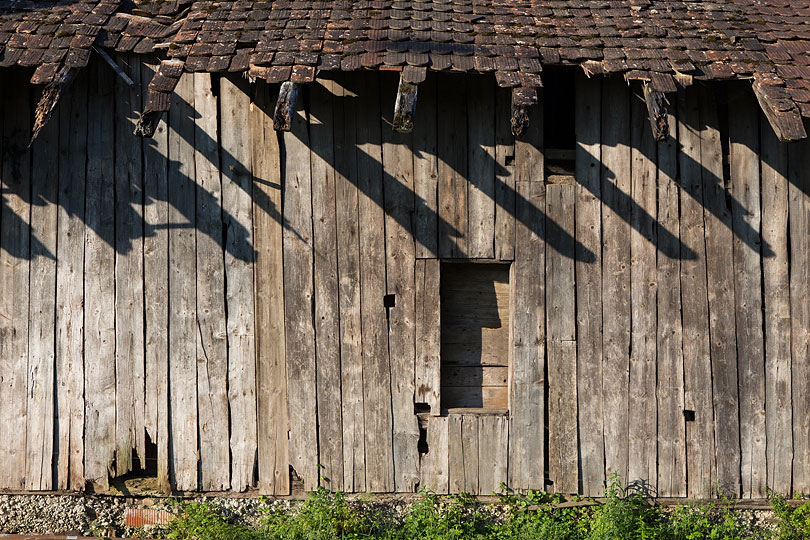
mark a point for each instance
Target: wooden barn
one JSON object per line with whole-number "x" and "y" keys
{"x": 380, "y": 246}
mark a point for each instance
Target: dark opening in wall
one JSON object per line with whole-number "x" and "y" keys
{"x": 559, "y": 136}
{"x": 475, "y": 336}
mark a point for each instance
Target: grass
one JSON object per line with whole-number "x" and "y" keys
{"x": 624, "y": 515}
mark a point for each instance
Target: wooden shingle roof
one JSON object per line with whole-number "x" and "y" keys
{"x": 658, "y": 41}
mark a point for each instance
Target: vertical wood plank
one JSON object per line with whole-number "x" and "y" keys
{"x": 643, "y": 291}
{"x": 70, "y": 285}
{"x": 669, "y": 392}
{"x": 428, "y": 334}
{"x": 44, "y": 188}
{"x": 398, "y": 194}
{"x": 504, "y": 177}
{"x": 99, "y": 282}
{"x": 589, "y": 285}
{"x": 426, "y": 171}
{"x": 527, "y": 394}
{"x": 469, "y": 452}
{"x": 799, "y": 223}
{"x": 695, "y": 309}
{"x": 562, "y": 416}
{"x": 298, "y": 298}
{"x": 327, "y": 325}
{"x": 129, "y": 361}
{"x": 776, "y": 286}
{"x": 455, "y": 451}
{"x": 452, "y": 154}
{"x": 376, "y": 364}
{"x": 434, "y": 464}
{"x": 560, "y": 321}
{"x": 156, "y": 287}
{"x": 239, "y": 257}
{"x": 348, "y": 249}
{"x": 182, "y": 290}
{"x": 743, "y": 119}
{"x": 212, "y": 345}
{"x": 15, "y": 255}
{"x": 616, "y": 185}
{"x": 561, "y": 329}
{"x": 271, "y": 367}
{"x": 720, "y": 275}
{"x": 493, "y": 434}
{"x": 481, "y": 167}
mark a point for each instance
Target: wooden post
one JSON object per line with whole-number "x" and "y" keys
{"x": 285, "y": 106}
{"x": 657, "y": 111}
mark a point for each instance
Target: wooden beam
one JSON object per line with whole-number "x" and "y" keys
{"x": 285, "y": 106}
{"x": 522, "y": 98}
{"x": 115, "y": 67}
{"x": 657, "y": 110}
{"x": 780, "y": 110}
{"x": 158, "y": 97}
{"x": 405, "y": 106}
{"x": 50, "y": 98}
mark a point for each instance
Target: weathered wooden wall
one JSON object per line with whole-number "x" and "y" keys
{"x": 218, "y": 291}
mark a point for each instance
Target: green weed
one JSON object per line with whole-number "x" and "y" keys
{"x": 624, "y": 514}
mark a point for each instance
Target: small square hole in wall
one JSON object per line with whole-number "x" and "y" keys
{"x": 475, "y": 336}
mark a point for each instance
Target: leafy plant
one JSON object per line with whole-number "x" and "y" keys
{"x": 792, "y": 523}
